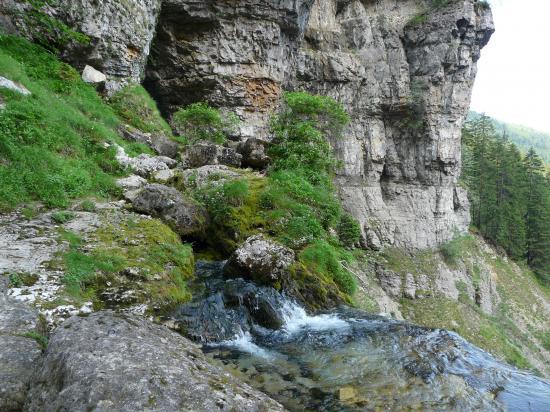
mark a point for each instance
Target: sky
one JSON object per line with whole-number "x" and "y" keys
{"x": 513, "y": 81}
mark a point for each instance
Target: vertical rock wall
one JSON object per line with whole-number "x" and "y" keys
{"x": 406, "y": 82}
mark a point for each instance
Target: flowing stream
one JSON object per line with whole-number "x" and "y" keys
{"x": 348, "y": 360}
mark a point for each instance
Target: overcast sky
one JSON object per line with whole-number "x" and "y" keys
{"x": 513, "y": 82}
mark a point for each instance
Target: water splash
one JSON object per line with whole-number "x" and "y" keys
{"x": 296, "y": 319}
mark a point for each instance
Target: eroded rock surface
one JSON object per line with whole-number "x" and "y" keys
{"x": 19, "y": 351}
{"x": 185, "y": 216}
{"x": 119, "y": 33}
{"x": 260, "y": 259}
{"x": 117, "y": 362}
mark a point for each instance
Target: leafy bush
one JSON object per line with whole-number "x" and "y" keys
{"x": 200, "y": 122}
{"x": 62, "y": 217}
{"x": 301, "y": 137}
{"x": 219, "y": 199}
{"x": 349, "y": 231}
{"x": 326, "y": 259}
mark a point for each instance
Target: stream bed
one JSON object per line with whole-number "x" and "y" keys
{"x": 347, "y": 359}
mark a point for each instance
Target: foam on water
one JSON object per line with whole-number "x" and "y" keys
{"x": 243, "y": 341}
{"x": 296, "y": 318}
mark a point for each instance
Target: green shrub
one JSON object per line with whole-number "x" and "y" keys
{"x": 200, "y": 122}
{"x": 87, "y": 206}
{"x": 301, "y": 133}
{"x": 62, "y": 217}
{"x": 323, "y": 258}
{"x": 220, "y": 199}
{"x": 349, "y": 231}
{"x": 134, "y": 105}
{"x": 40, "y": 339}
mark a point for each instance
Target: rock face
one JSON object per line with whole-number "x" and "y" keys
{"x": 116, "y": 362}
{"x": 234, "y": 54}
{"x": 406, "y": 81}
{"x": 261, "y": 260}
{"x": 202, "y": 154}
{"x": 407, "y": 87}
{"x": 186, "y": 217}
{"x": 18, "y": 351}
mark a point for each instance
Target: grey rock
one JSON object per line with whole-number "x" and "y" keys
{"x": 235, "y": 55}
{"x": 161, "y": 144}
{"x": 203, "y": 154}
{"x": 19, "y": 352}
{"x": 261, "y": 260}
{"x": 14, "y": 86}
{"x": 115, "y": 362}
{"x": 254, "y": 153}
{"x": 144, "y": 165}
{"x": 166, "y": 176}
{"x": 91, "y": 75}
{"x": 131, "y": 182}
{"x": 407, "y": 88}
{"x": 185, "y": 216}
{"x": 210, "y": 174}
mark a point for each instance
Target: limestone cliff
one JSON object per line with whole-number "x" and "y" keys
{"x": 403, "y": 69}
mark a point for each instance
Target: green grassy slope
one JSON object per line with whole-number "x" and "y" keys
{"x": 52, "y": 146}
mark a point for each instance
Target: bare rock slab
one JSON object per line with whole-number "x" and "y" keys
{"x": 114, "y": 362}
{"x": 19, "y": 352}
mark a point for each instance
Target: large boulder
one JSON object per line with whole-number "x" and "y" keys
{"x": 254, "y": 153}
{"x": 183, "y": 215}
{"x": 260, "y": 259}
{"x": 20, "y": 326}
{"x": 115, "y": 362}
{"x": 202, "y": 154}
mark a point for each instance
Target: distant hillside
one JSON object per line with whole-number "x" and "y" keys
{"x": 524, "y": 137}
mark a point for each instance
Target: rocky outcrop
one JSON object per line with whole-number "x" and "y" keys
{"x": 19, "y": 350}
{"x": 261, "y": 260}
{"x": 203, "y": 154}
{"x": 186, "y": 217}
{"x": 254, "y": 153}
{"x": 144, "y": 164}
{"x": 406, "y": 81}
{"x": 117, "y": 362}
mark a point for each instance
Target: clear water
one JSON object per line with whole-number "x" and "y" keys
{"x": 348, "y": 360}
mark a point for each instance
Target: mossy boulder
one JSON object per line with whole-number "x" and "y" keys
{"x": 261, "y": 260}
{"x": 182, "y": 214}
